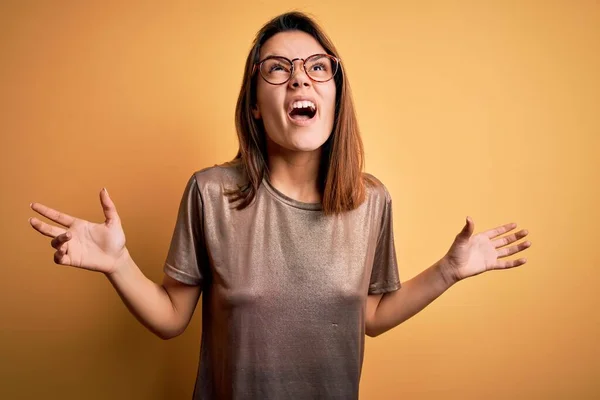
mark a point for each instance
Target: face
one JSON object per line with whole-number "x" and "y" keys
{"x": 274, "y": 102}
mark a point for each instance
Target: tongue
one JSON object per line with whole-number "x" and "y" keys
{"x": 300, "y": 117}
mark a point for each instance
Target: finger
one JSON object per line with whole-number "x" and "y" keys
{"x": 110, "y": 211}
{"x": 510, "y": 238}
{"x": 467, "y": 230}
{"x": 509, "y": 251}
{"x": 45, "y": 229}
{"x": 62, "y": 249}
{"x": 62, "y": 259}
{"x": 53, "y": 215}
{"x": 492, "y": 233}
{"x": 510, "y": 263}
{"x": 60, "y": 239}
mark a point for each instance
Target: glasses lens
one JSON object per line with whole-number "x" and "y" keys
{"x": 276, "y": 70}
{"x": 320, "y": 67}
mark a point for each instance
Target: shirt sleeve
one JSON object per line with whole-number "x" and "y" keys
{"x": 384, "y": 276}
{"x": 187, "y": 258}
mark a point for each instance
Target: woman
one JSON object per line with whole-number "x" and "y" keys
{"x": 290, "y": 242}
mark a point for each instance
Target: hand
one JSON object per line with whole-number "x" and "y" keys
{"x": 95, "y": 247}
{"x": 471, "y": 255}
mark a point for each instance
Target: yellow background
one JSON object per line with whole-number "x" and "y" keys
{"x": 487, "y": 109}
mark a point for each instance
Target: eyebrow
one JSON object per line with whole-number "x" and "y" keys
{"x": 279, "y": 55}
{"x": 273, "y": 55}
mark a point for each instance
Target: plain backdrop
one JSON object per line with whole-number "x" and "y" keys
{"x": 488, "y": 109}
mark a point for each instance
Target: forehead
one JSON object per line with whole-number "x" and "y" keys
{"x": 291, "y": 44}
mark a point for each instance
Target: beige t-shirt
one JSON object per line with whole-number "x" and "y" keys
{"x": 284, "y": 288}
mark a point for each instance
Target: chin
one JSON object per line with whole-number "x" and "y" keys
{"x": 306, "y": 143}
{"x": 300, "y": 140}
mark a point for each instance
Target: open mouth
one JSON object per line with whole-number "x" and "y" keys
{"x": 303, "y": 111}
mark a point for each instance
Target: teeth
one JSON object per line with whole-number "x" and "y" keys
{"x": 304, "y": 104}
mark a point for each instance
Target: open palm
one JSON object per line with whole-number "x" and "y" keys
{"x": 471, "y": 254}
{"x": 84, "y": 244}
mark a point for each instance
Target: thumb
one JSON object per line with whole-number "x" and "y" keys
{"x": 110, "y": 211}
{"x": 467, "y": 230}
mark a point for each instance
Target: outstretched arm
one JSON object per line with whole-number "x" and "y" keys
{"x": 393, "y": 308}
{"x": 468, "y": 256}
{"x": 164, "y": 309}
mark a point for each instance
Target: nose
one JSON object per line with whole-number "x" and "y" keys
{"x": 299, "y": 76}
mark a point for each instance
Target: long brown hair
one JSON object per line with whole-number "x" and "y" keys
{"x": 341, "y": 181}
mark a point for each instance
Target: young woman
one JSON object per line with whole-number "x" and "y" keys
{"x": 291, "y": 244}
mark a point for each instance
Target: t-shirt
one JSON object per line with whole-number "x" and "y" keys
{"x": 284, "y": 287}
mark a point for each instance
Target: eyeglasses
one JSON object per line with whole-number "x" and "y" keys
{"x": 277, "y": 70}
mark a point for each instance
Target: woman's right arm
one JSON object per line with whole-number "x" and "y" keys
{"x": 164, "y": 309}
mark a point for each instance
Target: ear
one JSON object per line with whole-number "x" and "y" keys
{"x": 255, "y": 111}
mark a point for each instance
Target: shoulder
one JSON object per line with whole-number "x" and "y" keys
{"x": 229, "y": 175}
{"x": 375, "y": 189}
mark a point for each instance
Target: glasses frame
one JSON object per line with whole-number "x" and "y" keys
{"x": 258, "y": 66}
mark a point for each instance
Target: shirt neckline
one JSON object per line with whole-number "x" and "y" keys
{"x": 288, "y": 200}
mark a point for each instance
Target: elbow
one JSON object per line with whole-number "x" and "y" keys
{"x": 171, "y": 330}
{"x": 167, "y": 334}
{"x": 370, "y": 331}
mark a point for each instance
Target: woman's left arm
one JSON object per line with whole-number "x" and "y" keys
{"x": 468, "y": 256}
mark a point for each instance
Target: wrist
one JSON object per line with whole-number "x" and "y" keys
{"x": 122, "y": 263}
{"x": 447, "y": 272}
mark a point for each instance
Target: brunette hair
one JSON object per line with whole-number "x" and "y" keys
{"x": 341, "y": 180}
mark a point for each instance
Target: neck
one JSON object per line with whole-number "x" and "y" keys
{"x": 295, "y": 173}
